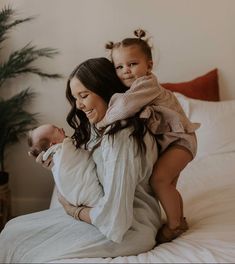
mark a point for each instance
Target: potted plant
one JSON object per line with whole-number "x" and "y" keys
{"x": 15, "y": 120}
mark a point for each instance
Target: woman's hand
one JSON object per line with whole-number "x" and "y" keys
{"x": 70, "y": 209}
{"x": 47, "y": 164}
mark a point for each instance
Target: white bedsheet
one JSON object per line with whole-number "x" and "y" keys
{"x": 208, "y": 189}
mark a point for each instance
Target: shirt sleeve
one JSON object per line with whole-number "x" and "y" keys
{"x": 113, "y": 214}
{"x": 124, "y": 105}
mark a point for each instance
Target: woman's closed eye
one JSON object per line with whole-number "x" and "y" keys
{"x": 81, "y": 96}
{"x": 84, "y": 96}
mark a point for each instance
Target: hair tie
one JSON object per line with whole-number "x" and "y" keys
{"x": 139, "y": 33}
{"x": 109, "y": 45}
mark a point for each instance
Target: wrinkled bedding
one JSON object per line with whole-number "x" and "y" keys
{"x": 207, "y": 186}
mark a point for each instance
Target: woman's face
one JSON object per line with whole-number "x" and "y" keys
{"x": 90, "y": 103}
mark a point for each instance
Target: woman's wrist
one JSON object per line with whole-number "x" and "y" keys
{"x": 84, "y": 214}
{"x": 81, "y": 213}
{"x": 70, "y": 209}
{"x": 77, "y": 212}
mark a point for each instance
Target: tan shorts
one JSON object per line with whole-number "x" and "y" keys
{"x": 188, "y": 141}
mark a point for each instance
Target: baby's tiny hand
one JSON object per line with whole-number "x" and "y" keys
{"x": 47, "y": 164}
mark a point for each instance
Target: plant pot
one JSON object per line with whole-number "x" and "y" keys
{"x": 4, "y": 177}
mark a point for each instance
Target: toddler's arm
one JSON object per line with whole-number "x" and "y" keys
{"x": 142, "y": 92}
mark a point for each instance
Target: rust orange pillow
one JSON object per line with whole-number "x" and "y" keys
{"x": 205, "y": 87}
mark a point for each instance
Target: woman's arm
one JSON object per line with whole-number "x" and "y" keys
{"x": 122, "y": 169}
{"x": 80, "y": 213}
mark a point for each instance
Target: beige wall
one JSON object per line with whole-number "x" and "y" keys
{"x": 190, "y": 37}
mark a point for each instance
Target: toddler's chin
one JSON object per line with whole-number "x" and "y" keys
{"x": 128, "y": 83}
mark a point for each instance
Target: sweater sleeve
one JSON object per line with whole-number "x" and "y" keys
{"x": 124, "y": 105}
{"x": 113, "y": 214}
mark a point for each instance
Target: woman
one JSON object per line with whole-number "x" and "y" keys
{"x": 126, "y": 219}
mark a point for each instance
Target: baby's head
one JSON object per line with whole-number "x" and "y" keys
{"x": 43, "y": 137}
{"x": 132, "y": 57}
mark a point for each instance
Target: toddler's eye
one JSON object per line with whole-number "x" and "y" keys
{"x": 119, "y": 67}
{"x": 133, "y": 64}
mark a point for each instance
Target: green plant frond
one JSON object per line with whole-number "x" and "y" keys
{"x": 23, "y": 98}
{"x": 4, "y": 27}
{"x": 23, "y": 123}
{"x": 6, "y": 13}
{"x": 12, "y": 110}
{"x": 14, "y": 124}
{"x": 15, "y": 120}
{"x": 20, "y": 128}
{"x": 38, "y": 72}
{"x": 6, "y": 23}
{"x": 20, "y": 60}
{"x": 32, "y": 51}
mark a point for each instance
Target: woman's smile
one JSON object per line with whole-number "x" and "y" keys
{"x": 90, "y": 103}
{"x": 88, "y": 113}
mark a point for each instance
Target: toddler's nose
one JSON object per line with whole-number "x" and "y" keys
{"x": 127, "y": 70}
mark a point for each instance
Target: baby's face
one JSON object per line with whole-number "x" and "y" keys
{"x": 130, "y": 64}
{"x": 53, "y": 133}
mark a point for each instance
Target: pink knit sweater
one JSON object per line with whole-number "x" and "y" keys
{"x": 153, "y": 102}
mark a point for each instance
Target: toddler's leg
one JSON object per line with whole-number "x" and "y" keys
{"x": 164, "y": 179}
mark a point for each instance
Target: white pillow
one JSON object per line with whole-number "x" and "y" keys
{"x": 217, "y": 132}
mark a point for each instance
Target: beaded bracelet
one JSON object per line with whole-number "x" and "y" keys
{"x": 77, "y": 212}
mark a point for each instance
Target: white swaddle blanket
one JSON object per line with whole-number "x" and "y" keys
{"x": 73, "y": 171}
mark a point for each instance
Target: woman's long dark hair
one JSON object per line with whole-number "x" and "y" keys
{"x": 99, "y": 76}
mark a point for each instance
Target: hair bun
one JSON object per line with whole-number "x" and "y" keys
{"x": 109, "y": 45}
{"x": 140, "y": 33}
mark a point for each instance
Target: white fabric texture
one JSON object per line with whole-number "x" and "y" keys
{"x": 53, "y": 235}
{"x": 216, "y": 134}
{"x": 207, "y": 186}
{"x": 74, "y": 172}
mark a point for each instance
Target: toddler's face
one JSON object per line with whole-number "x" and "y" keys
{"x": 130, "y": 64}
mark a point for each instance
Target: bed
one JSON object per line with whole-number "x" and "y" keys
{"x": 208, "y": 189}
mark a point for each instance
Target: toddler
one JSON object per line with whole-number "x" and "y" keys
{"x": 74, "y": 179}
{"x": 175, "y": 134}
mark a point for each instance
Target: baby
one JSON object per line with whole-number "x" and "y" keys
{"x": 74, "y": 179}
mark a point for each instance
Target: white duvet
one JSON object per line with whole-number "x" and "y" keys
{"x": 208, "y": 189}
